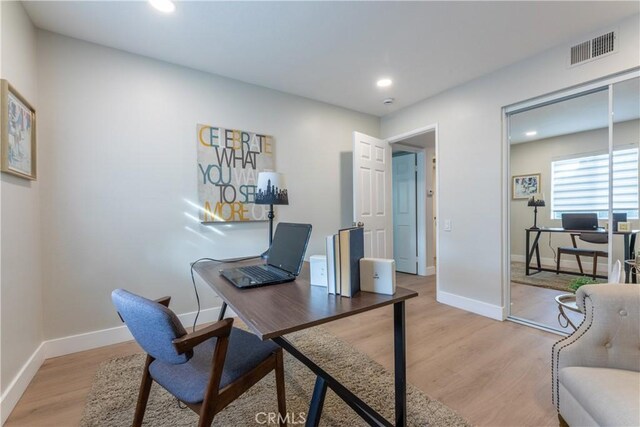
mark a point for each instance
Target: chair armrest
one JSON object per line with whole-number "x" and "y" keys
{"x": 219, "y": 329}
{"x": 164, "y": 301}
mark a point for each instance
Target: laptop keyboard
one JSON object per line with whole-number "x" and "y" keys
{"x": 260, "y": 274}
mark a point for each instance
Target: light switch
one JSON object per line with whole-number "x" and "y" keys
{"x": 447, "y": 225}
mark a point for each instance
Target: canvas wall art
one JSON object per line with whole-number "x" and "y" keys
{"x": 524, "y": 186}
{"x": 18, "y": 133}
{"x": 229, "y": 161}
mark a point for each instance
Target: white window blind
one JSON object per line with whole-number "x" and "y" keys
{"x": 581, "y": 184}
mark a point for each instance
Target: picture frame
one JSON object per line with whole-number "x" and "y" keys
{"x": 18, "y": 147}
{"x": 525, "y": 186}
{"x": 624, "y": 226}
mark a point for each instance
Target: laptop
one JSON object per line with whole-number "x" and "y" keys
{"x": 580, "y": 221}
{"x": 284, "y": 263}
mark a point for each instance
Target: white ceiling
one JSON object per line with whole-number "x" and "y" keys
{"x": 579, "y": 114}
{"x": 335, "y": 51}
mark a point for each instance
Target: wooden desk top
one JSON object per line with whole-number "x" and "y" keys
{"x": 275, "y": 310}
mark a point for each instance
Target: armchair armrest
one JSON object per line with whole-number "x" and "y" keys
{"x": 609, "y": 336}
{"x": 219, "y": 329}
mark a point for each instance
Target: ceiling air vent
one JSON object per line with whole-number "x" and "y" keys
{"x": 594, "y": 48}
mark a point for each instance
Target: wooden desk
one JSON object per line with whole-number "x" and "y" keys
{"x": 533, "y": 249}
{"x": 273, "y": 311}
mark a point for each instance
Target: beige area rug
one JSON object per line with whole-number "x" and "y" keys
{"x": 543, "y": 279}
{"x": 113, "y": 395}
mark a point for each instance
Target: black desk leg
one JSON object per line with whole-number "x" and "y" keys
{"x": 535, "y": 249}
{"x": 223, "y": 309}
{"x": 366, "y": 412}
{"x": 627, "y": 255}
{"x": 317, "y": 402}
{"x": 539, "y": 264}
{"x": 400, "y": 361}
{"x": 526, "y": 255}
{"x": 631, "y": 255}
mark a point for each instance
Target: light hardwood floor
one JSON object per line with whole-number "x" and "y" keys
{"x": 493, "y": 373}
{"x": 538, "y": 305}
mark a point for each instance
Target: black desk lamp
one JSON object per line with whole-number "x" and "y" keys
{"x": 535, "y": 203}
{"x": 271, "y": 191}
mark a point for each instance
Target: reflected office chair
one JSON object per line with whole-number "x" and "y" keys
{"x": 207, "y": 369}
{"x": 597, "y": 238}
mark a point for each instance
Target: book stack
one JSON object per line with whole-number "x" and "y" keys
{"x": 344, "y": 251}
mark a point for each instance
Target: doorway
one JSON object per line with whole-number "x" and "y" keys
{"x": 373, "y": 194}
{"x": 422, "y": 148}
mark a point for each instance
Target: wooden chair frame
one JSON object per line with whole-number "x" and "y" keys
{"x": 578, "y": 252}
{"x": 215, "y": 399}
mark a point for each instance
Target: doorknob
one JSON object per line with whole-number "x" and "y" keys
{"x": 360, "y": 224}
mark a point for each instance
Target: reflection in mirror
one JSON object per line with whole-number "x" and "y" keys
{"x": 560, "y": 179}
{"x": 626, "y": 138}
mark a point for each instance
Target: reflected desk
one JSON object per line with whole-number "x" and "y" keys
{"x": 270, "y": 312}
{"x": 532, "y": 248}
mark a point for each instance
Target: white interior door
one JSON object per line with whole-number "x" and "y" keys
{"x": 405, "y": 242}
{"x": 372, "y": 194}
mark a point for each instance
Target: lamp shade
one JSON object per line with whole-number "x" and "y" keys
{"x": 271, "y": 190}
{"x": 539, "y": 202}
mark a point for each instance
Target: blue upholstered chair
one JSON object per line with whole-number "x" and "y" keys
{"x": 207, "y": 369}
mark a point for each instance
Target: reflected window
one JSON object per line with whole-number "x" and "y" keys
{"x": 581, "y": 184}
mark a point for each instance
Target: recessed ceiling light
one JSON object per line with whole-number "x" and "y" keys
{"x": 531, "y": 133}
{"x": 164, "y": 6}
{"x": 384, "y": 82}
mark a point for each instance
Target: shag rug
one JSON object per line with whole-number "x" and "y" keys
{"x": 543, "y": 279}
{"x": 112, "y": 399}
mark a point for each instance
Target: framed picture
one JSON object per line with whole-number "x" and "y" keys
{"x": 525, "y": 186}
{"x": 229, "y": 161}
{"x": 624, "y": 226}
{"x": 17, "y": 133}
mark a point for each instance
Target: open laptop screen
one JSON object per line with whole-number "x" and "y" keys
{"x": 289, "y": 245}
{"x": 580, "y": 221}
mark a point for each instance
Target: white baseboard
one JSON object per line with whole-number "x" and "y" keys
{"x": 81, "y": 342}
{"x": 431, "y": 270}
{"x": 90, "y": 340}
{"x": 568, "y": 262}
{"x": 482, "y": 308}
{"x": 17, "y": 387}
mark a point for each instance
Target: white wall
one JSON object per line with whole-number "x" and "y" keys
{"x": 21, "y": 275}
{"x": 470, "y": 161}
{"x": 120, "y": 175}
{"x": 536, "y": 157}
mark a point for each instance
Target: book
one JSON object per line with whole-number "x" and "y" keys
{"x": 336, "y": 263}
{"x": 351, "y": 251}
{"x": 331, "y": 266}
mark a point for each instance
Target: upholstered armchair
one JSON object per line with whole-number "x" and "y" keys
{"x": 596, "y": 370}
{"x": 207, "y": 369}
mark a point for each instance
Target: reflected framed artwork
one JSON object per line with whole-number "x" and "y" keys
{"x": 17, "y": 133}
{"x": 525, "y": 186}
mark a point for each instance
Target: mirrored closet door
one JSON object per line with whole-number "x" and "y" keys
{"x": 573, "y": 199}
